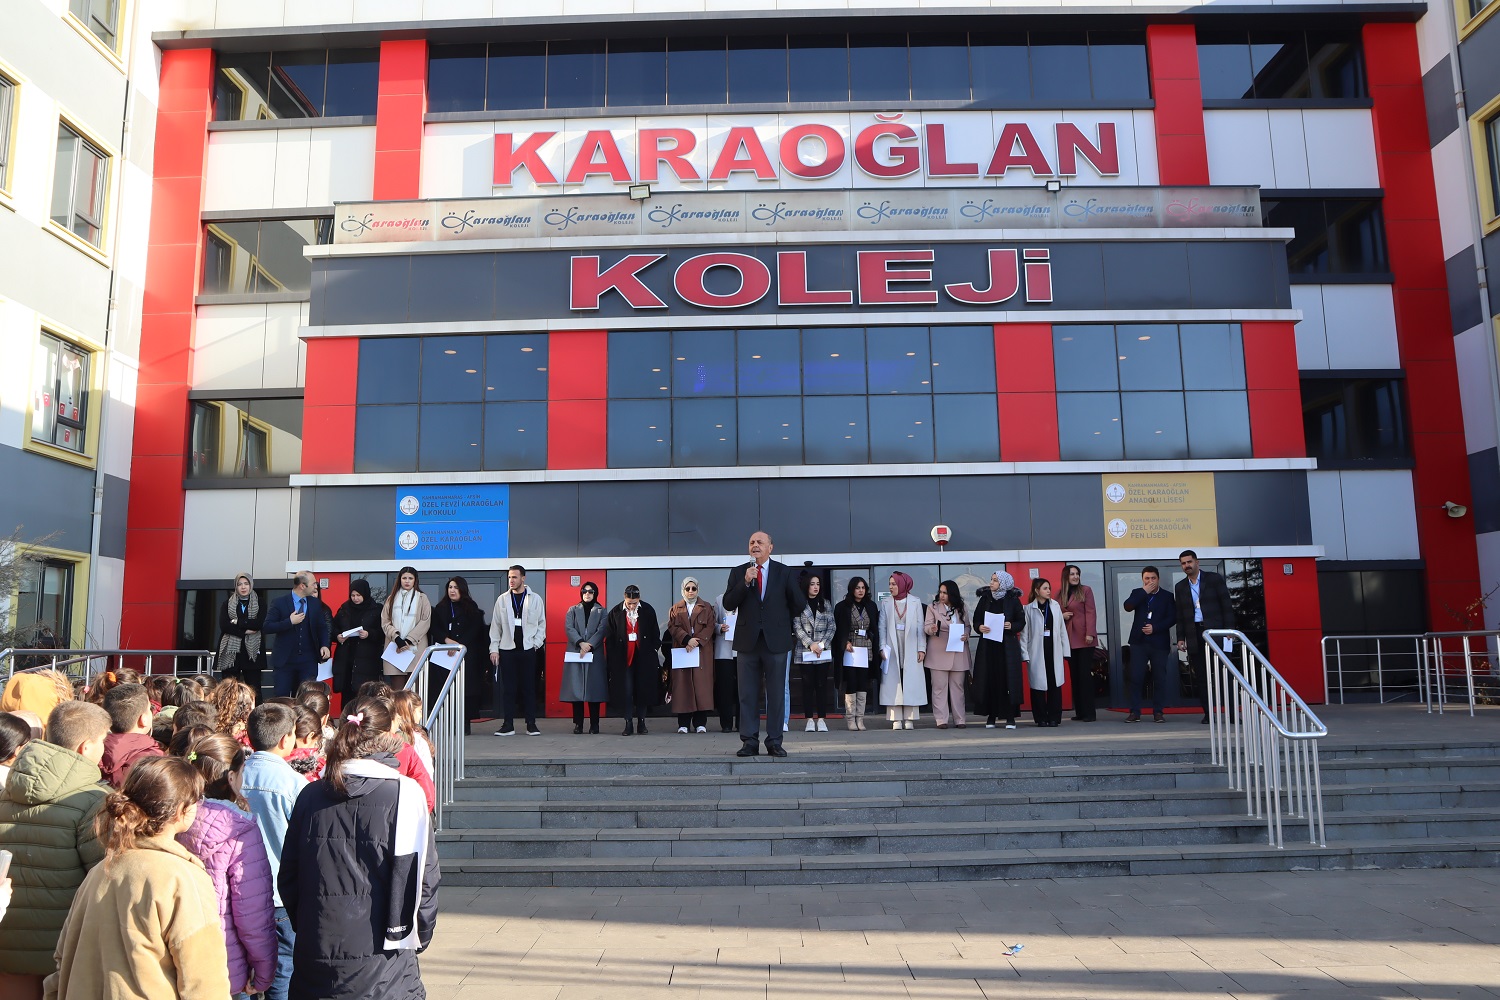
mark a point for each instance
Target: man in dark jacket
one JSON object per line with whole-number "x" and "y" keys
{"x": 300, "y": 625}
{"x": 765, "y": 595}
{"x": 1150, "y": 642}
{"x": 1202, "y": 603}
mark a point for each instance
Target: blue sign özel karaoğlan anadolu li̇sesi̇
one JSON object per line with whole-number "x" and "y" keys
{"x": 448, "y": 522}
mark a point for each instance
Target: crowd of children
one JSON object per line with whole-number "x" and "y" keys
{"x": 170, "y": 837}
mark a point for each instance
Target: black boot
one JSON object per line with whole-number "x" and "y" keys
{"x": 629, "y": 728}
{"x": 593, "y": 727}
{"x": 577, "y": 729}
{"x": 640, "y": 726}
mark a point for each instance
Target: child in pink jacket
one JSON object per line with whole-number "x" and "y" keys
{"x": 227, "y": 840}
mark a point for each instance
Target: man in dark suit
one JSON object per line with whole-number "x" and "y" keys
{"x": 765, "y": 595}
{"x": 1150, "y": 642}
{"x": 1202, "y": 603}
{"x": 301, "y": 629}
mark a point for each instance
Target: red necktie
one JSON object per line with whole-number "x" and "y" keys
{"x": 759, "y": 590}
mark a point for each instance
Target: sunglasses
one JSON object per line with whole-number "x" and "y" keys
{"x": 689, "y": 588}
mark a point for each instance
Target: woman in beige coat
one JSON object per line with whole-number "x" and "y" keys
{"x": 405, "y": 619}
{"x": 145, "y": 923}
{"x": 948, "y": 670}
{"x": 690, "y": 625}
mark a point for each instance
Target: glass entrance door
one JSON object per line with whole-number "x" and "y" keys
{"x": 1121, "y": 579}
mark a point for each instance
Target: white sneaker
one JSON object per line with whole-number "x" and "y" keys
{"x": 989, "y": 725}
{"x": 910, "y": 724}
{"x": 682, "y": 729}
{"x": 896, "y": 724}
{"x": 822, "y": 726}
{"x": 702, "y": 729}
{"x": 1010, "y": 725}
{"x": 812, "y": 726}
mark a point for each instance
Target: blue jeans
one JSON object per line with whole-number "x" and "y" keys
{"x": 286, "y": 677}
{"x": 285, "y": 939}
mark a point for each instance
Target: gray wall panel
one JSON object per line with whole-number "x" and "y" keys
{"x": 1263, "y": 508}
{"x": 804, "y": 515}
{"x": 46, "y": 496}
{"x": 1484, "y": 489}
{"x": 1437, "y": 91}
{"x": 711, "y": 516}
{"x": 452, "y": 287}
{"x": 352, "y": 523}
{"x": 544, "y": 519}
{"x": 895, "y": 515}
{"x": 622, "y": 519}
{"x": 1067, "y": 512}
{"x": 1463, "y": 291}
{"x": 992, "y": 510}
{"x": 112, "y": 526}
{"x": 1479, "y": 59}
{"x": 1145, "y": 276}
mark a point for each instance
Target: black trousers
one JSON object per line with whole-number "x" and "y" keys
{"x": 691, "y": 720}
{"x": 815, "y": 689}
{"x": 1158, "y": 660}
{"x": 518, "y": 677}
{"x": 594, "y": 707}
{"x": 726, "y": 691}
{"x": 1046, "y": 706}
{"x": 1081, "y": 673}
{"x": 762, "y": 670}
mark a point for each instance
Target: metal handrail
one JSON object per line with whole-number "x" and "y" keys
{"x": 1264, "y": 735}
{"x": 1434, "y": 654}
{"x": 66, "y": 658}
{"x": 1333, "y": 669}
{"x": 445, "y": 723}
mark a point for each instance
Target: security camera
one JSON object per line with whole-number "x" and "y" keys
{"x": 1455, "y": 509}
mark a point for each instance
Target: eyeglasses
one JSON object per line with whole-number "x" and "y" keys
{"x": 689, "y": 588}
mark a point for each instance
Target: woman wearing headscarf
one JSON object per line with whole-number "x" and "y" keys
{"x": 242, "y": 654}
{"x": 586, "y": 683}
{"x": 690, "y": 625}
{"x": 903, "y": 686}
{"x": 998, "y": 680}
{"x": 405, "y": 620}
{"x": 632, "y": 642}
{"x": 814, "y": 628}
{"x": 856, "y": 625}
{"x": 1082, "y": 624}
{"x": 946, "y": 617}
{"x": 458, "y": 619}
{"x": 357, "y": 658}
{"x": 1046, "y": 645}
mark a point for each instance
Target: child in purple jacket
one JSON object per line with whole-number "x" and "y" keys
{"x": 227, "y": 840}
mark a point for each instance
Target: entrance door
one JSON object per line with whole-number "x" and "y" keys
{"x": 1121, "y": 579}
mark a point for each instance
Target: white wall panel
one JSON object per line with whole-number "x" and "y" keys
{"x": 1360, "y": 321}
{"x": 1239, "y": 147}
{"x": 273, "y": 537}
{"x": 1312, "y": 337}
{"x": 250, "y": 13}
{"x": 1380, "y": 515}
{"x": 387, "y": 10}
{"x": 1288, "y": 148}
{"x": 1455, "y": 197}
{"x": 1325, "y": 502}
{"x": 1475, "y": 387}
{"x": 1145, "y": 147}
{"x": 535, "y": 8}
{"x": 1340, "y": 148}
{"x": 118, "y": 417}
{"x": 283, "y": 349}
{"x": 105, "y": 602}
{"x": 341, "y": 165}
{"x": 240, "y": 171}
{"x": 440, "y": 10}
{"x": 290, "y": 190}
{"x": 318, "y": 11}
{"x": 18, "y": 326}
{"x": 218, "y": 539}
{"x": 229, "y": 347}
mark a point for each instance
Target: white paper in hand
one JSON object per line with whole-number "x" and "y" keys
{"x": 325, "y": 670}
{"x": 350, "y": 634}
{"x": 578, "y": 657}
{"x": 684, "y": 659}
{"x": 957, "y": 640}
{"x": 724, "y": 641}
{"x": 445, "y": 658}
{"x": 809, "y": 656}
{"x": 996, "y": 621}
{"x": 885, "y": 662}
{"x": 859, "y": 656}
{"x": 400, "y": 659}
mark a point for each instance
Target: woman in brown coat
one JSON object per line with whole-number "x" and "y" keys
{"x": 690, "y": 625}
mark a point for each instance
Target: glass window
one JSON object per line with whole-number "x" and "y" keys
{"x": 758, "y": 70}
{"x": 1279, "y": 61}
{"x": 515, "y": 366}
{"x": 44, "y": 599}
{"x": 78, "y": 182}
{"x": 640, "y": 364}
{"x": 575, "y": 75}
{"x": 388, "y": 370}
{"x": 1213, "y": 356}
{"x": 385, "y": 437}
{"x": 1060, "y": 66}
{"x": 704, "y": 432}
{"x": 1333, "y": 235}
{"x": 702, "y": 363}
{"x": 940, "y": 67}
{"x": 818, "y": 68}
{"x": 1281, "y": 65}
{"x": 515, "y": 435}
{"x": 697, "y": 71}
{"x": 7, "y": 128}
{"x": 1218, "y": 425}
{"x": 60, "y": 394}
{"x": 1224, "y": 65}
{"x": 299, "y": 83}
{"x": 833, "y": 360}
{"x": 963, "y": 359}
{"x": 899, "y": 359}
{"x": 1001, "y": 69}
{"x": 517, "y": 77}
{"x": 452, "y": 370}
{"x": 901, "y": 429}
{"x": 1084, "y": 358}
{"x": 770, "y": 431}
{"x": 879, "y": 69}
{"x": 1149, "y": 357}
{"x": 770, "y": 363}
{"x": 1155, "y": 425}
{"x": 101, "y": 17}
{"x": 455, "y": 78}
{"x": 242, "y": 86}
{"x": 1088, "y": 427}
{"x": 640, "y": 433}
{"x": 1336, "y": 64}
{"x": 1492, "y": 151}
{"x": 353, "y": 82}
{"x": 451, "y": 437}
{"x": 1355, "y": 421}
{"x": 1117, "y": 64}
{"x": 261, "y": 255}
{"x": 637, "y": 73}
{"x": 835, "y": 430}
{"x": 245, "y": 438}
{"x": 966, "y": 428}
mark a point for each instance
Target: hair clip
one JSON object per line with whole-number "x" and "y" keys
{"x": 356, "y": 719}
{"x": 192, "y": 756}
{"x": 110, "y": 676}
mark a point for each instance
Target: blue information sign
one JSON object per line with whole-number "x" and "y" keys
{"x": 448, "y": 522}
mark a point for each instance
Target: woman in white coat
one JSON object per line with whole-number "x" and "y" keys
{"x": 1045, "y": 647}
{"x": 903, "y": 686}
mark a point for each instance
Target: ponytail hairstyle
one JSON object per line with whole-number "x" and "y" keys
{"x": 408, "y": 708}
{"x": 214, "y": 756}
{"x": 105, "y": 681}
{"x": 190, "y": 689}
{"x": 364, "y": 731}
{"x": 375, "y": 689}
{"x": 155, "y": 794}
{"x": 162, "y": 688}
{"x": 233, "y": 701}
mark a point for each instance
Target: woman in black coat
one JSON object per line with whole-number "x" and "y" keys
{"x": 457, "y": 618}
{"x": 999, "y": 684}
{"x": 858, "y": 682}
{"x": 632, "y": 640}
{"x": 357, "y": 658}
{"x": 242, "y": 648}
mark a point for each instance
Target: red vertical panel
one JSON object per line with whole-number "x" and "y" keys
{"x": 1275, "y": 390}
{"x": 1181, "y": 149}
{"x": 1423, "y": 322}
{"x": 1294, "y": 625}
{"x": 577, "y": 399}
{"x": 400, "y": 105}
{"x": 331, "y": 387}
{"x": 153, "y": 534}
{"x": 1025, "y": 392}
{"x": 562, "y": 594}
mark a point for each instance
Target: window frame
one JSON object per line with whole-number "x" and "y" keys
{"x": 1486, "y": 152}
{"x": 10, "y": 117}
{"x": 1469, "y": 21}
{"x": 109, "y": 155}
{"x": 93, "y": 407}
{"x": 233, "y": 423}
{"x": 81, "y": 25}
{"x": 77, "y": 599}
{"x": 257, "y": 284}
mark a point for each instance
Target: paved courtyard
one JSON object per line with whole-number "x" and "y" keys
{"x": 1420, "y": 933}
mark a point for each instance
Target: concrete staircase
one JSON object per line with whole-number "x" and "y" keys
{"x": 974, "y": 810}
